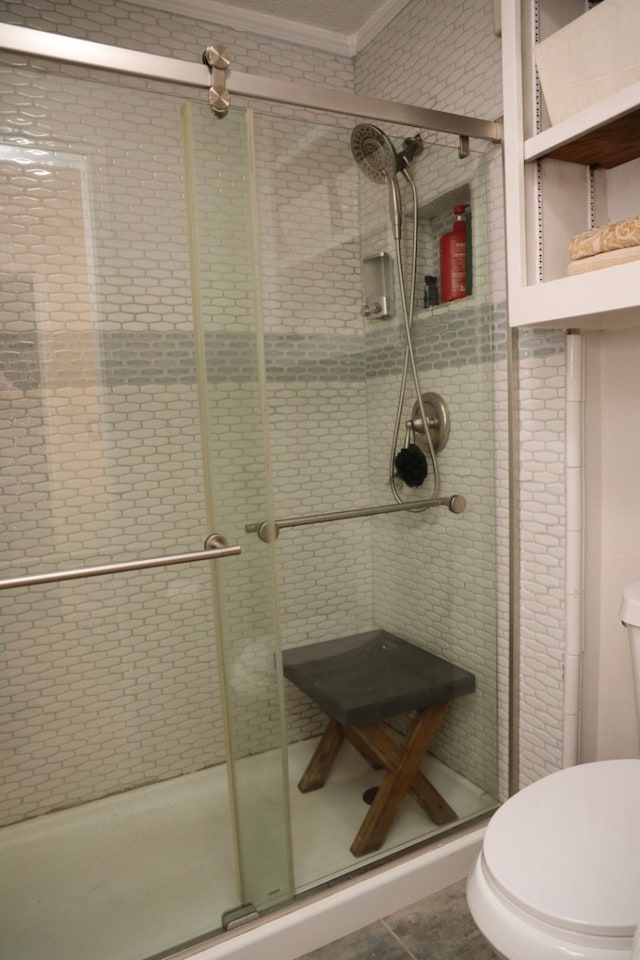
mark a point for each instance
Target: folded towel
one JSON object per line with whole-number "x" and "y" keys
{"x": 624, "y": 233}
{"x": 608, "y": 259}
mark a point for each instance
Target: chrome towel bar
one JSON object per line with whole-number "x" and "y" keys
{"x": 215, "y": 547}
{"x": 455, "y": 503}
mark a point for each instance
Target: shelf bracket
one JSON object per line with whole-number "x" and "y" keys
{"x": 463, "y": 147}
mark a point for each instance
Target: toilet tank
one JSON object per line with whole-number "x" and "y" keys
{"x": 630, "y": 616}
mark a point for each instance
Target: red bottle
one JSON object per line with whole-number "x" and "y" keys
{"x": 453, "y": 258}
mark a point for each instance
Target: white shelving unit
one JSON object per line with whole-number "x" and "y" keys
{"x": 561, "y": 180}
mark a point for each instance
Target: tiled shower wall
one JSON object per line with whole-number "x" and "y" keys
{"x": 435, "y": 574}
{"x": 445, "y": 55}
{"x": 102, "y": 455}
{"x": 442, "y": 592}
{"x": 313, "y": 341}
{"x": 309, "y": 235}
{"x": 330, "y": 437}
{"x": 305, "y": 335}
{"x": 123, "y": 691}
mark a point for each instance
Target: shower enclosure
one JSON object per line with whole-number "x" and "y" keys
{"x": 183, "y": 352}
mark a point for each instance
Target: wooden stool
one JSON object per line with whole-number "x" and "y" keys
{"x": 360, "y": 681}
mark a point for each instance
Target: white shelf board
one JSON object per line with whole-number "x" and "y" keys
{"x": 600, "y": 300}
{"x": 624, "y": 101}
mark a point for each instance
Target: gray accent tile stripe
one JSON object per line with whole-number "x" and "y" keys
{"x": 150, "y": 357}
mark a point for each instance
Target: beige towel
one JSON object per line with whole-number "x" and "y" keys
{"x": 625, "y": 233}
{"x": 600, "y": 260}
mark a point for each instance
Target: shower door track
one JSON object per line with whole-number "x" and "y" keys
{"x": 215, "y": 548}
{"x": 88, "y": 53}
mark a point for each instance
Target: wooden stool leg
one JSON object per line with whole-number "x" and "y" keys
{"x": 323, "y": 759}
{"x": 398, "y": 781}
{"x": 378, "y": 738}
{"x": 431, "y": 801}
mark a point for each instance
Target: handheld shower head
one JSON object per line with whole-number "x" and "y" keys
{"x": 376, "y": 156}
{"x": 374, "y": 153}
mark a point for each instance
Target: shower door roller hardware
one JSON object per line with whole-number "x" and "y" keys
{"x": 217, "y": 58}
{"x": 437, "y": 414}
{"x": 238, "y": 916}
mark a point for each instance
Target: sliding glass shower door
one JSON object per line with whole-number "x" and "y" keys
{"x": 120, "y": 708}
{"x": 226, "y": 298}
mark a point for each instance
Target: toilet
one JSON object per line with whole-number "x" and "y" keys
{"x": 558, "y": 876}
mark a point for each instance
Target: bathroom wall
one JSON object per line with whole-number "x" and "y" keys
{"x": 612, "y": 560}
{"x": 316, "y": 388}
{"x": 613, "y": 541}
{"x": 435, "y": 574}
{"x": 316, "y": 467}
{"x": 442, "y": 588}
{"x": 542, "y": 523}
{"x": 102, "y": 458}
{"x": 461, "y": 73}
{"x": 129, "y": 671}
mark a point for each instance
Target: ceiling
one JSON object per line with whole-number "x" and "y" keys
{"x": 337, "y": 26}
{"x": 340, "y": 16}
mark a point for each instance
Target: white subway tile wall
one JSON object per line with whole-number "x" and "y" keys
{"x": 435, "y": 575}
{"x": 317, "y": 399}
{"x": 226, "y": 299}
{"x": 102, "y": 455}
{"x": 137, "y": 257}
{"x": 331, "y": 387}
{"x": 542, "y": 562}
{"x": 445, "y": 55}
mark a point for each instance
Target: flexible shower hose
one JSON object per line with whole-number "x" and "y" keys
{"x": 409, "y": 354}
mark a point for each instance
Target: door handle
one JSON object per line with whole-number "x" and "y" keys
{"x": 216, "y": 546}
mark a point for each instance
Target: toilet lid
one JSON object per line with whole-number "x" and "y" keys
{"x": 567, "y": 848}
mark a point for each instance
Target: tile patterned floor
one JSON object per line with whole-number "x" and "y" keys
{"x": 436, "y": 928}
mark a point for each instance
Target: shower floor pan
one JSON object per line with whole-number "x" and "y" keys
{"x": 132, "y": 875}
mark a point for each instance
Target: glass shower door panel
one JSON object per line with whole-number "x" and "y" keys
{"x": 231, "y": 372}
{"x": 112, "y": 686}
{"x": 111, "y": 704}
{"x": 116, "y": 837}
{"x": 333, "y": 386}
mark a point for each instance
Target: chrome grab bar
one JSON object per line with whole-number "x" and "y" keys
{"x": 456, "y": 503}
{"x": 216, "y": 546}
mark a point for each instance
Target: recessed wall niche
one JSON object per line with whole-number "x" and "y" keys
{"x": 435, "y": 218}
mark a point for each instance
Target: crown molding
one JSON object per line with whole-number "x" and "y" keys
{"x": 279, "y": 28}
{"x": 377, "y": 22}
{"x": 264, "y": 24}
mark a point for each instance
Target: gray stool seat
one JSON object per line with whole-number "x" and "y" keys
{"x": 372, "y": 676}
{"x": 360, "y": 681}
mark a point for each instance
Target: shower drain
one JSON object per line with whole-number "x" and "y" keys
{"x": 369, "y": 795}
